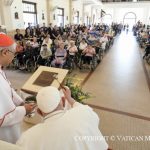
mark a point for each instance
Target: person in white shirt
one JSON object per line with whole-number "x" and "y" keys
{"x": 89, "y": 53}
{"x": 12, "y": 107}
{"x": 45, "y": 52}
{"x": 103, "y": 41}
{"x": 82, "y": 45}
{"x": 67, "y": 42}
{"x": 47, "y": 41}
{"x": 34, "y": 43}
{"x": 63, "y": 129}
{"x": 91, "y": 38}
{"x": 72, "y": 48}
{"x": 45, "y": 55}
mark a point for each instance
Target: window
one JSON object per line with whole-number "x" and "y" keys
{"x": 29, "y": 8}
{"x": 60, "y": 11}
{"x": 76, "y": 17}
{"x": 60, "y": 16}
{"x": 29, "y": 13}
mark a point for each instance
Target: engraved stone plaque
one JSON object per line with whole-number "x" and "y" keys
{"x": 45, "y": 78}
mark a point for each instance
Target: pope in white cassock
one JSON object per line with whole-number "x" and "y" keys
{"x": 62, "y": 129}
{"x": 12, "y": 108}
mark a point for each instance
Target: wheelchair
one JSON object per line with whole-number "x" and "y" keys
{"x": 43, "y": 61}
{"x": 92, "y": 65}
{"x": 71, "y": 62}
{"x": 30, "y": 59}
{"x": 58, "y": 65}
{"x": 99, "y": 54}
{"x": 14, "y": 64}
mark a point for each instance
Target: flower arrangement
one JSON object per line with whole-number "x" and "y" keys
{"x": 76, "y": 91}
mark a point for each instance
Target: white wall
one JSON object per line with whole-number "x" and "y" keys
{"x": 78, "y": 6}
{"x": 87, "y": 13}
{"x": 118, "y": 10}
{"x": 1, "y": 13}
{"x": 97, "y": 12}
{"x": 17, "y": 7}
{"x": 0, "y": 19}
{"x": 53, "y": 10}
{"x": 9, "y": 13}
{"x": 148, "y": 18}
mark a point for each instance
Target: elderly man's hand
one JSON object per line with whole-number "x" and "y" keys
{"x": 67, "y": 94}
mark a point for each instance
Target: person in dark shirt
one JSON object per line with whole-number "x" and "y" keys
{"x": 50, "y": 28}
{"x": 28, "y": 34}
{"x": 44, "y": 28}
{"x": 55, "y": 33}
{"x": 18, "y": 36}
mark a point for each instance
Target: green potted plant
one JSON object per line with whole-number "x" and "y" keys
{"x": 76, "y": 91}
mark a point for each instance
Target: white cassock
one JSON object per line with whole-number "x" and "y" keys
{"x": 10, "y": 115}
{"x": 64, "y": 130}
{"x": 9, "y": 146}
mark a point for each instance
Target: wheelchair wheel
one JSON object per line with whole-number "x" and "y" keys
{"x": 30, "y": 66}
{"x": 80, "y": 63}
{"x": 48, "y": 63}
{"x": 15, "y": 63}
{"x": 94, "y": 63}
{"x": 148, "y": 60}
{"x": 101, "y": 54}
{"x": 71, "y": 66}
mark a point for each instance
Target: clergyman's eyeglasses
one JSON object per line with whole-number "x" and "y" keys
{"x": 14, "y": 53}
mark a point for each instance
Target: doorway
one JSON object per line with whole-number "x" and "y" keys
{"x": 129, "y": 19}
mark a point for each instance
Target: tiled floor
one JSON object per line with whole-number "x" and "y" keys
{"x": 118, "y": 83}
{"x": 123, "y": 132}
